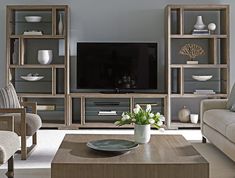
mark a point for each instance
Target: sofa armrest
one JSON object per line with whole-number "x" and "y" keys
{"x": 33, "y": 105}
{"x": 209, "y": 104}
{"x": 7, "y": 123}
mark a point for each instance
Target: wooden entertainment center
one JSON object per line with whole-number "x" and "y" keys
{"x": 61, "y": 108}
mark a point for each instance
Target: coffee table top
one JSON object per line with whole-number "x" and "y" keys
{"x": 162, "y": 149}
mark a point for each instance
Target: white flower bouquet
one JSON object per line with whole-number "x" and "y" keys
{"x": 141, "y": 117}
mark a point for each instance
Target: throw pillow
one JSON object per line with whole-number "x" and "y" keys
{"x": 8, "y": 97}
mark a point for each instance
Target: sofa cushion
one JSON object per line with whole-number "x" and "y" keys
{"x": 230, "y": 132}
{"x": 219, "y": 119}
{"x": 33, "y": 123}
{"x": 9, "y": 144}
{"x": 231, "y": 99}
{"x": 8, "y": 97}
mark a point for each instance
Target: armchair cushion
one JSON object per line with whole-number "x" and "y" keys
{"x": 9, "y": 144}
{"x": 219, "y": 119}
{"x": 8, "y": 97}
{"x": 33, "y": 123}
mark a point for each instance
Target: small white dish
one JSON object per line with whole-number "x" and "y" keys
{"x": 202, "y": 78}
{"x": 32, "y": 78}
{"x": 33, "y": 18}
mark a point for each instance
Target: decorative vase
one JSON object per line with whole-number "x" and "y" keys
{"x": 142, "y": 133}
{"x": 45, "y": 56}
{"x": 60, "y": 25}
{"x": 194, "y": 118}
{"x": 199, "y": 24}
{"x": 184, "y": 114}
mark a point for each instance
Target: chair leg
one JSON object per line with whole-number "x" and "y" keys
{"x": 35, "y": 138}
{"x": 23, "y": 148}
{"x": 10, "y": 172}
{"x": 203, "y": 139}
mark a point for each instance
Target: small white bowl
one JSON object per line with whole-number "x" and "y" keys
{"x": 33, "y": 18}
{"x": 202, "y": 77}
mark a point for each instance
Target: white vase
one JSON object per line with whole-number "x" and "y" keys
{"x": 45, "y": 56}
{"x": 60, "y": 25}
{"x": 199, "y": 24}
{"x": 142, "y": 133}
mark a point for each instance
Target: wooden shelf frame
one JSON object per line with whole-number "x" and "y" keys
{"x": 177, "y": 11}
{"x": 53, "y": 12}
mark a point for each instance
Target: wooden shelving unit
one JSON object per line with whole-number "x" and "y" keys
{"x": 181, "y": 86}
{"x": 22, "y": 58}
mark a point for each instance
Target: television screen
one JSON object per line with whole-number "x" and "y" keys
{"x": 122, "y": 66}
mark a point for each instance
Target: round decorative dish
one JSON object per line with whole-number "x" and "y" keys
{"x": 33, "y": 18}
{"x": 202, "y": 78}
{"x": 112, "y": 145}
{"x": 32, "y": 78}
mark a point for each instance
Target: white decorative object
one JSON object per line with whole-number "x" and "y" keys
{"x": 32, "y": 78}
{"x": 142, "y": 133}
{"x": 33, "y": 18}
{"x": 194, "y": 118}
{"x": 184, "y": 114}
{"x": 199, "y": 24}
{"x": 212, "y": 26}
{"x": 45, "y": 56}
{"x": 33, "y": 33}
{"x": 60, "y": 25}
{"x": 191, "y": 62}
{"x": 202, "y": 78}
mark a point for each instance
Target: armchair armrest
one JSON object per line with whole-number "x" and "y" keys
{"x": 22, "y": 112}
{"x": 33, "y": 105}
{"x": 209, "y": 104}
{"x": 7, "y": 123}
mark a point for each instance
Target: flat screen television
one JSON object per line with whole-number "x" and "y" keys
{"x": 127, "y": 67}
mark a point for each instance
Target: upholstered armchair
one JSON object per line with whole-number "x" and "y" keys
{"x": 25, "y": 124}
{"x": 9, "y": 143}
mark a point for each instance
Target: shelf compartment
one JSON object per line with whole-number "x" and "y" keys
{"x": 19, "y": 24}
{"x": 94, "y": 106}
{"x": 178, "y": 103}
{"x": 217, "y": 83}
{"x": 60, "y": 16}
{"x": 216, "y": 51}
{"x": 212, "y": 16}
{"x": 50, "y": 116}
{"x": 33, "y": 45}
{"x": 22, "y": 86}
{"x": 76, "y": 111}
{"x": 176, "y": 81}
{"x": 176, "y": 16}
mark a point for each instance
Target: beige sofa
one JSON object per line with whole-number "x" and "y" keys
{"x": 218, "y": 125}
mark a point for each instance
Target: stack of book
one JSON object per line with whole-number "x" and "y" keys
{"x": 200, "y": 32}
{"x": 204, "y": 92}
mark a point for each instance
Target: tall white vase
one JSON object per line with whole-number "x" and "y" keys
{"x": 199, "y": 24}
{"x": 142, "y": 133}
{"x": 60, "y": 25}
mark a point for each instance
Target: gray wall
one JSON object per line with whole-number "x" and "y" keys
{"x": 114, "y": 20}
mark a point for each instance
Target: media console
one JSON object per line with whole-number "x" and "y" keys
{"x": 93, "y": 110}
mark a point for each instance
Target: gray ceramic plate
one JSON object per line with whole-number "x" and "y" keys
{"x": 112, "y": 145}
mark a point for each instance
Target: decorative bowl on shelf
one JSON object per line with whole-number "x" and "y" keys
{"x": 32, "y": 77}
{"x": 33, "y": 18}
{"x": 202, "y": 78}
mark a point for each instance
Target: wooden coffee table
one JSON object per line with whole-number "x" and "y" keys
{"x": 165, "y": 156}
